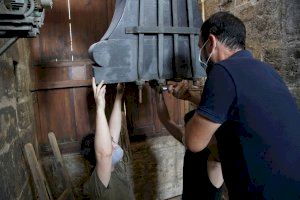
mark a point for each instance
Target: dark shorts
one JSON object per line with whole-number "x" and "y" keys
{"x": 196, "y": 183}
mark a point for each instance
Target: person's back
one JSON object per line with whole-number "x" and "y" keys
{"x": 119, "y": 187}
{"x": 247, "y": 106}
{"x": 266, "y": 120}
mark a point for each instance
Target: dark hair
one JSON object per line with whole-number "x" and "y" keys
{"x": 87, "y": 148}
{"x": 229, "y": 30}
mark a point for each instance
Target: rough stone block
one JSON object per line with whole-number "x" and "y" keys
{"x": 25, "y": 114}
{"x": 23, "y": 81}
{"x": 273, "y": 57}
{"x": 8, "y": 127}
{"x": 26, "y": 193}
{"x": 156, "y": 169}
{"x": 7, "y": 79}
{"x": 247, "y": 13}
{"x": 13, "y": 171}
{"x": 241, "y": 2}
{"x": 296, "y": 93}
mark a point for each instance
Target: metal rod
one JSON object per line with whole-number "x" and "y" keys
{"x": 192, "y": 37}
{"x": 160, "y": 39}
{"x": 141, "y": 50}
{"x": 161, "y": 30}
{"x": 141, "y": 40}
{"x": 175, "y": 24}
{"x": 10, "y": 42}
{"x": 140, "y": 87}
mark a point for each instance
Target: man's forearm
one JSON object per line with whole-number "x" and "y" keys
{"x": 198, "y": 132}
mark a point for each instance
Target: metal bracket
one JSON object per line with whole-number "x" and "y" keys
{"x": 162, "y": 30}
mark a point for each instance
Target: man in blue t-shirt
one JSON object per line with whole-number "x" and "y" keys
{"x": 249, "y": 109}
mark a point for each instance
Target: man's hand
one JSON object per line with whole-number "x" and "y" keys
{"x": 180, "y": 90}
{"x": 183, "y": 91}
{"x": 99, "y": 94}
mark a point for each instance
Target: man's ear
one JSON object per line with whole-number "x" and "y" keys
{"x": 212, "y": 42}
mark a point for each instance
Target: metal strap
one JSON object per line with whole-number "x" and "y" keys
{"x": 175, "y": 24}
{"x": 192, "y": 36}
{"x": 160, "y": 38}
{"x": 161, "y": 30}
{"x": 141, "y": 40}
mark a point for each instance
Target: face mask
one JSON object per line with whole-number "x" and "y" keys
{"x": 202, "y": 62}
{"x": 117, "y": 155}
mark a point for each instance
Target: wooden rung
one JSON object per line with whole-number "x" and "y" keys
{"x": 65, "y": 194}
{"x": 40, "y": 181}
{"x": 59, "y": 159}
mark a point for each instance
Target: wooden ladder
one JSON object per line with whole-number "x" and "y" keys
{"x": 39, "y": 179}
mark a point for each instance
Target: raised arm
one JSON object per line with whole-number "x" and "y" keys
{"x": 164, "y": 117}
{"x": 115, "y": 121}
{"x": 103, "y": 143}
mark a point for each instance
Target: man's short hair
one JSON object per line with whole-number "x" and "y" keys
{"x": 88, "y": 149}
{"x": 229, "y": 30}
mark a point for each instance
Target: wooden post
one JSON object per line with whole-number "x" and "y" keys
{"x": 40, "y": 181}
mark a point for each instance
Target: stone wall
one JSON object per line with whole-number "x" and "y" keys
{"x": 273, "y": 33}
{"x": 16, "y": 121}
{"x": 156, "y": 168}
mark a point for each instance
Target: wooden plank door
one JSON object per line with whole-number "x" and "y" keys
{"x": 62, "y": 70}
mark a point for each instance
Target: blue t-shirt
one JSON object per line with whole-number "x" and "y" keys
{"x": 259, "y": 139}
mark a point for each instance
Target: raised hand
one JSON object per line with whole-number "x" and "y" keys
{"x": 120, "y": 89}
{"x": 99, "y": 94}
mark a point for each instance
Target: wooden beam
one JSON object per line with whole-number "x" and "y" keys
{"x": 61, "y": 85}
{"x": 54, "y": 64}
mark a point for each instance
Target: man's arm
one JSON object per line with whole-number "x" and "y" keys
{"x": 115, "y": 121}
{"x": 164, "y": 117}
{"x": 103, "y": 144}
{"x": 218, "y": 98}
{"x": 198, "y": 132}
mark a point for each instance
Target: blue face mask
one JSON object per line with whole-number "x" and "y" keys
{"x": 117, "y": 155}
{"x": 201, "y": 58}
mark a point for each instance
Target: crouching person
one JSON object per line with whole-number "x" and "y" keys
{"x": 108, "y": 180}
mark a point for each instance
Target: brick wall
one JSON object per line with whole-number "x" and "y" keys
{"x": 16, "y": 121}
{"x": 273, "y": 33}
